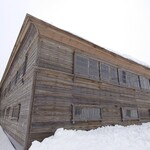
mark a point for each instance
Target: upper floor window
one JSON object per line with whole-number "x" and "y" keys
{"x": 145, "y": 83}
{"x": 93, "y": 69}
{"x": 25, "y": 64}
{"x": 124, "y": 77}
{"x": 108, "y": 73}
{"x": 86, "y": 67}
{"x": 133, "y": 80}
{"x": 104, "y": 72}
{"x": 81, "y": 65}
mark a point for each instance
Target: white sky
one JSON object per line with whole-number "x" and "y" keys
{"x": 120, "y": 25}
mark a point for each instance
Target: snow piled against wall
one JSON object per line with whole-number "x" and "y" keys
{"x": 135, "y": 137}
{"x": 4, "y": 141}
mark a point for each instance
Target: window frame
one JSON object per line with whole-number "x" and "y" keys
{"x": 25, "y": 65}
{"x": 87, "y": 75}
{"x": 83, "y": 106}
{"x": 16, "y": 113}
{"x": 8, "y": 110}
{"x": 129, "y": 118}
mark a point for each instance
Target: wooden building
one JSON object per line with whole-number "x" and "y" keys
{"x": 55, "y": 79}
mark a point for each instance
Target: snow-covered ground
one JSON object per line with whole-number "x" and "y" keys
{"x": 4, "y": 141}
{"x": 135, "y": 137}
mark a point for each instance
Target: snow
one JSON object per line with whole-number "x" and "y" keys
{"x": 129, "y": 57}
{"x": 135, "y": 137}
{"x": 4, "y": 141}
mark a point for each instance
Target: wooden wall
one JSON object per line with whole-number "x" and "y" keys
{"x": 57, "y": 89}
{"x": 50, "y": 89}
{"x": 17, "y": 88}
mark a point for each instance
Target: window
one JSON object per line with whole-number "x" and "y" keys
{"x": 81, "y": 65}
{"x": 144, "y": 82}
{"x": 86, "y": 67}
{"x": 86, "y": 113}
{"x": 108, "y": 73}
{"x": 8, "y": 112}
{"x": 25, "y": 65}
{"x": 3, "y": 112}
{"x": 124, "y": 77}
{"x": 104, "y": 72}
{"x": 114, "y": 74}
{"x": 133, "y": 80}
{"x": 93, "y": 69}
{"x": 16, "y": 112}
{"x": 129, "y": 113}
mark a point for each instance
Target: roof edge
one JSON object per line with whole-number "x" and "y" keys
{"x": 88, "y": 42}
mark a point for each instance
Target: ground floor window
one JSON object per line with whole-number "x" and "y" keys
{"x": 86, "y": 113}
{"x": 129, "y": 113}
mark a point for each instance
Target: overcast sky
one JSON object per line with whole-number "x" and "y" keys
{"x": 120, "y": 25}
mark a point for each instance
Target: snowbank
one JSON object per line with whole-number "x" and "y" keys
{"x": 106, "y": 138}
{"x": 4, "y": 141}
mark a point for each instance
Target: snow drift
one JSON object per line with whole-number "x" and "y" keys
{"x": 135, "y": 137}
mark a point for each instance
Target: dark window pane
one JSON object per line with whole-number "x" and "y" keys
{"x": 124, "y": 77}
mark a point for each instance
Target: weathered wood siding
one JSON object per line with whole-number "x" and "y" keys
{"x": 58, "y": 88}
{"x": 57, "y": 79}
{"x": 17, "y": 88}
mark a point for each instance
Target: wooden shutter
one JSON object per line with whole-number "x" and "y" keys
{"x": 86, "y": 113}
{"x": 104, "y": 72}
{"x": 122, "y": 77}
{"x": 16, "y": 112}
{"x": 134, "y": 80}
{"x": 113, "y": 75}
{"x": 129, "y": 113}
{"x": 81, "y": 65}
{"x": 93, "y": 69}
{"x": 144, "y": 82}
